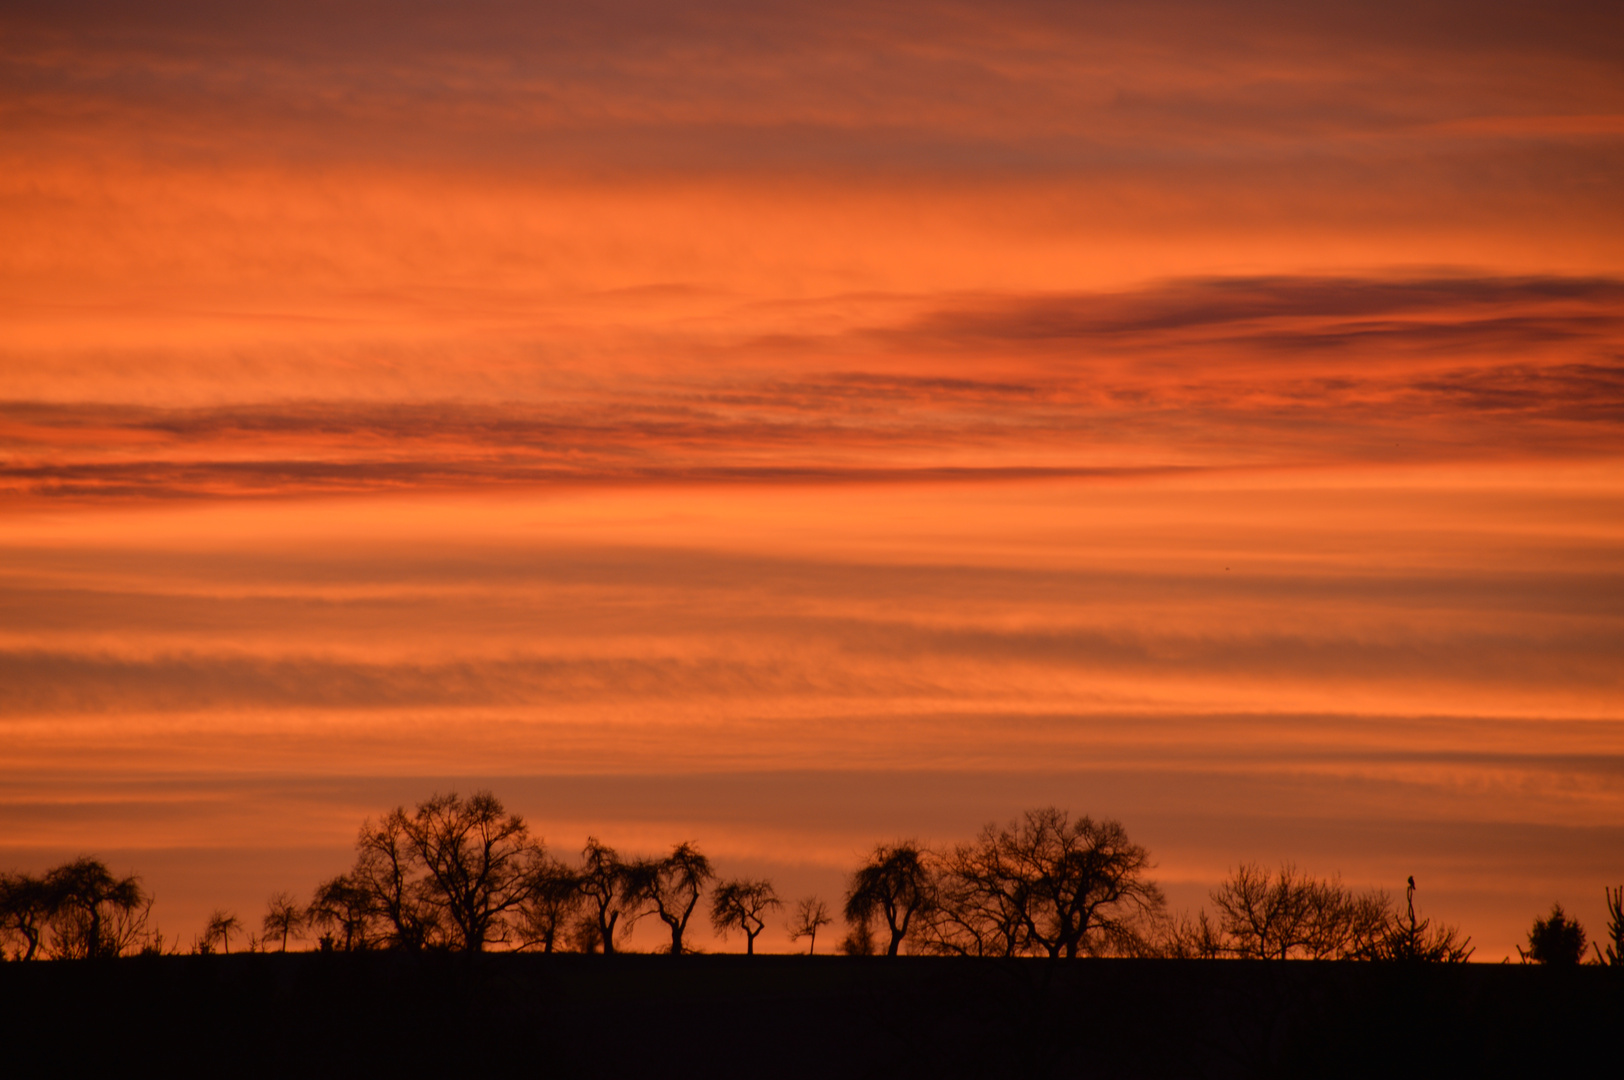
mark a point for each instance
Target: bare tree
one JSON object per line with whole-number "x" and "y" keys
{"x": 93, "y": 913}
{"x": 222, "y": 924}
{"x": 609, "y": 891}
{"x": 671, "y": 887}
{"x": 475, "y": 856}
{"x": 811, "y": 914}
{"x": 1044, "y": 885}
{"x": 897, "y": 883}
{"x": 553, "y": 902}
{"x": 342, "y": 906}
{"x": 284, "y": 918}
{"x": 1292, "y": 914}
{"x": 385, "y": 868}
{"x": 26, "y": 905}
{"x": 451, "y": 873}
{"x": 741, "y": 905}
{"x": 1614, "y": 956}
{"x": 981, "y": 905}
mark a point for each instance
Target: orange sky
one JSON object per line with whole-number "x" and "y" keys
{"x": 792, "y": 426}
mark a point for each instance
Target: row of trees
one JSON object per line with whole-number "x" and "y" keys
{"x": 465, "y": 874}
{"x": 1043, "y": 885}
{"x": 77, "y": 911}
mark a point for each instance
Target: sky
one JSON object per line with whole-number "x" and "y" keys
{"x": 796, "y": 426}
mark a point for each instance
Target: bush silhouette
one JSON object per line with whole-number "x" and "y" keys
{"x": 1555, "y": 939}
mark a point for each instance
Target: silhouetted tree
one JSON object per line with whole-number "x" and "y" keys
{"x": 1043, "y": 885}
{"x": 221, "y": 925}
{"x": 741, "y": 905}
{"x": 475, "y": 855}
{"x": 609, "y": 890}
{"x": 1555, "y": 939}
{"x": 810, "y": 915}
{"x": 1262, "y": 916}
{"x": 385, "y": 866}
{"x": 1614, "y": 956}
{"x": 26, "y": 904}
{"x": 341, "y": 906}
{"x": 554, "y": 900}
{"x": 448, "y": 874}
{"x": 671, "y": 887}
{"x": 283, "y": 919}
{"x": 1410, "y": 939}
{"x": 93, "y": 913}
{"x": 896, "y": 883}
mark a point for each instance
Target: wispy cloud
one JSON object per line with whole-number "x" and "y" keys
{"x": 1165, "y": 375}
{"x": 1570, "y": 306}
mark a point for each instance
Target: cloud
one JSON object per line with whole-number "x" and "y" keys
{"x": 1206, "y": 373}
{"x": 41, "y": 683}
{"x": 1220, "y": 305}
{"x": 752, "y": 654}
{"x": 938, "y": 86}
{"x": 1585, "y": 393}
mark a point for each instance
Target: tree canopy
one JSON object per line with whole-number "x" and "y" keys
{"x": 1045, "y": 884}
{"x": 448, "y": 874}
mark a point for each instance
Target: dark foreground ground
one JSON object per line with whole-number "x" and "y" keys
{"x": 364, "y": 1015}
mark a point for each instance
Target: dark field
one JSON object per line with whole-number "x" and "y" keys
{"x": 457, "y": 1015}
